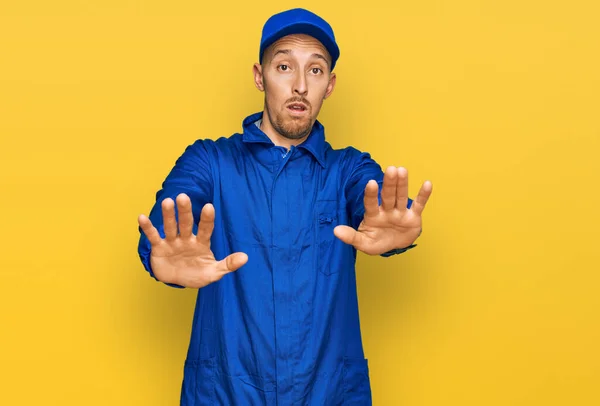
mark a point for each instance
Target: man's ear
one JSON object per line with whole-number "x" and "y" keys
{"x": 331, "y": 85}
{"x": 258, "y": 77}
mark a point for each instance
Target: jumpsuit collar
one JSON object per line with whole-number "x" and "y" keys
{"x": 315, "y": 143}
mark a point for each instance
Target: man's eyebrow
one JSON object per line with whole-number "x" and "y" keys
{"x": 289, "y": 51}
{"x": 321, "y": 57}
{"x": 282, "y": 51}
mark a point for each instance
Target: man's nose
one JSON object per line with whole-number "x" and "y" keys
{"x": 300, "y": 86}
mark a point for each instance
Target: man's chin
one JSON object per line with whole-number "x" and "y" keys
{"x": 294, "y": 128}
{"x": 301, "y": 127}
{"x": 296, "y": 134}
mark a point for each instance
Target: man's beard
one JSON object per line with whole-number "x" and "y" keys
{"x": 293, "y": 129}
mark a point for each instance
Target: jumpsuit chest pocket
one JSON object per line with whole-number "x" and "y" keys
{"x": 327, "y": 217}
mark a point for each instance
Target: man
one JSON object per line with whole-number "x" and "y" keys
{"x": 276, "y": 319}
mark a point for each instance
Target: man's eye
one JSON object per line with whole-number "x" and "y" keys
{"x": 283, "y": 66}
{"x": 317, "y": 70}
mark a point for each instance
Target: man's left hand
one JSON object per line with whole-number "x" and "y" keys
{"x": 391, "y": 225}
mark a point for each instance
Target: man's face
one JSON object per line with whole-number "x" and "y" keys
{"x": 295, "y": 75}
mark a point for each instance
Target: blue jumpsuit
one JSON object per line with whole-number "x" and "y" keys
{"x": 283, "y": 329}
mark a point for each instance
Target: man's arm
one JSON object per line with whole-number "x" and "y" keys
{"x": 190, "y": 175}
{"x": 363, "y": 170}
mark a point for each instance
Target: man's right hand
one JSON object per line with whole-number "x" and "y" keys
{"x": 186, "y": 259}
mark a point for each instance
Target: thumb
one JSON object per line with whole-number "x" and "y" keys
{"x": 232, "y": 262}
{"x": 346, "y": 234}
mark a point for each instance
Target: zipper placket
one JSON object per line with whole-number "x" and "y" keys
{"x": 286, "y": 158}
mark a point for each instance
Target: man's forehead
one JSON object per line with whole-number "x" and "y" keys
{"x": 301, "y": 40}
{"x": 286, "y": 45}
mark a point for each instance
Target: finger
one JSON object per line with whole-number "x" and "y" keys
{"x": 402, "y": 189}
{"x": 421, "y": 199}
{"x": 350, "y": 236}
{"x": 388, "y": 191}
{"x": 169, "y": 221}
{"x": 186, "y": 217}
{"x": 149, "y": 230}
{"x": 371, "y": 201}
{"x": 206, "y": 225}
{"x": 232, "y": 262}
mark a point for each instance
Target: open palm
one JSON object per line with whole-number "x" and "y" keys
{"x": 391, "y": 225}
{"x": 184, "y": 258}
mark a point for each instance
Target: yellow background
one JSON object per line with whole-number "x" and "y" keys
{"x": 496, "y": 102}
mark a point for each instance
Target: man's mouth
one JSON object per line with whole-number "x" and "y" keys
{"x": 297, "y": 108}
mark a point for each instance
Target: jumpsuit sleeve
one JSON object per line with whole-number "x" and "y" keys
{"x": 363, "y": 170}
{"x": 190, "y": 175}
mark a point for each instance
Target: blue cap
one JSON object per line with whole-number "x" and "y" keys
{"x": 299, "y": 21}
